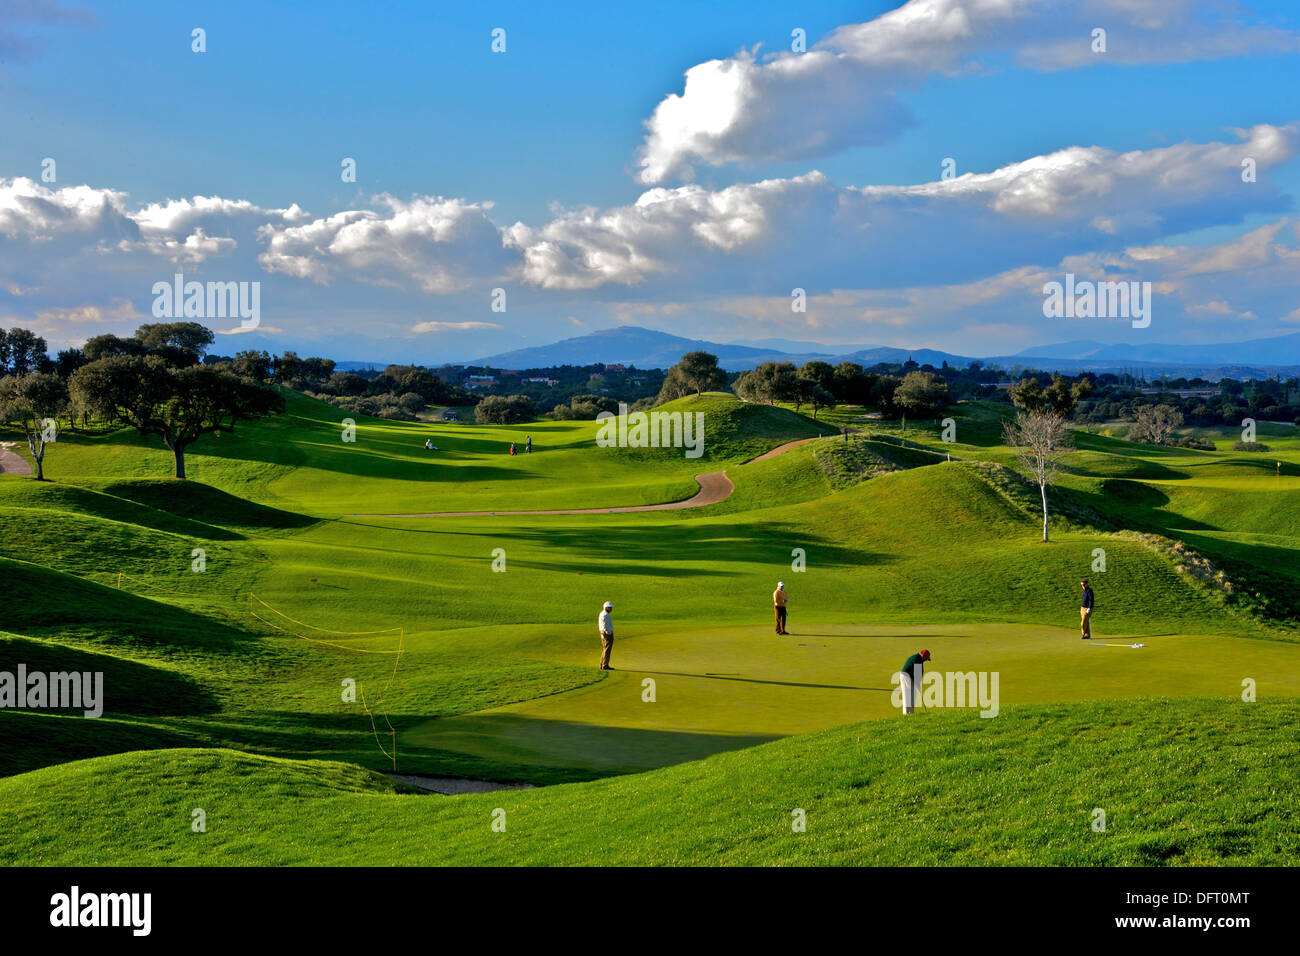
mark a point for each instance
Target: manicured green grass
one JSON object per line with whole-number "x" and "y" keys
{"x": 1181, "y": 782}
{"x": 301, "y": 593}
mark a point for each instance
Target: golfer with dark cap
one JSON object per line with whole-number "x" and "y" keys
{"x": 1085, "y": 611}
{"x": 910, "y": 681}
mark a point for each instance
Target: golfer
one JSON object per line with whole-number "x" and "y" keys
{"x": 779, "y": 599}
{"x": 910, "y": 680}
{"x": 1085, "y": 611}
{"x": 606, "y": 624}
{"x": 528, "y": 445}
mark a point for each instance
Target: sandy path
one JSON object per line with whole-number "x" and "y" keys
{"x": 12, "y": 463}
{"x": 782, "y": 449}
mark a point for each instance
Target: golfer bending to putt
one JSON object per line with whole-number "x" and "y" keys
{"x": 606, "y": 624}
{"x": 779, "y": 599}
{"x": 910, "y": 681}
{"x": 1085, "y": 611}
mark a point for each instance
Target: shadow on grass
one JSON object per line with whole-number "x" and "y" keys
{"x": 1138, "y": 506}
{"x": 662, "y": 548}
{"x": 186, "y": 498}
{"x": 41, "y": 602}
{"x": 516, "y": 740}
{"x": 755, "y": 680}
{"x": 35, "y": 740}
{"x": 128, "y": 687}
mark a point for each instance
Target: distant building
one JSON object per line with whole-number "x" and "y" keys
{"x": 1184, "y": 392}
{"x": 541, "y": 381}
{"x": 480, "y": 381}
{"x": 615, "y": 368}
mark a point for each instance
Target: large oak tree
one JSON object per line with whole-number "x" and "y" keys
{"x": 179, "y": 405}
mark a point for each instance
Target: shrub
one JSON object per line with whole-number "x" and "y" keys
{"x": 504, "y": 410}
{"x": 1249, "y": 446}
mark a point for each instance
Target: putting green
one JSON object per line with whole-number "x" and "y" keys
{"x": 724, "y": 688}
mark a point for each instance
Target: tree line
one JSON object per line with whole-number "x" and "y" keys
{"x": 819, "y": 385}
{"x": 155, "y": 381}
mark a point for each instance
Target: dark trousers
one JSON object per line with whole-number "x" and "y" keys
{"x": 780, "y": 619}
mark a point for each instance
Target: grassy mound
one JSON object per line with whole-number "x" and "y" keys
{"x": 861, "y": 457}
{"x": 737, "y": 431}
{"x": 46, "y": 603}
{"x": 1180, "y": 781}
{"x": 203, "y": 503}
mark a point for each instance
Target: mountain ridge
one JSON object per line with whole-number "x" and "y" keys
{"x": 649, "y": 348}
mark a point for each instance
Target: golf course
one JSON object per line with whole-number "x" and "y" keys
{"x": 315, "y": 621}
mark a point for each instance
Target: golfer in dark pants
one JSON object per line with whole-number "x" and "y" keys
{"x": 913, "y": 668}
{"x": 779, "y": 600}
{"x": 605, "y": 624}
{"x": 1085, "y": 611}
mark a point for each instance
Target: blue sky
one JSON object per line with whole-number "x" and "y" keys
{"x": 577, "y": 173}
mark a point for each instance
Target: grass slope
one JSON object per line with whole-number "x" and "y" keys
{"x": 1185, "y": 782}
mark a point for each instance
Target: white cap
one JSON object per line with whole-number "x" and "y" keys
{"x": 780, "y": 584}
{"x": 609, "y": 606}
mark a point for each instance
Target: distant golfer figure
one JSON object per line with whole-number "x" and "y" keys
{"x": 606, "y": 624}
{"x": 910, "y": 680}
{"x": 512, "y": 448}
{"x": 779, "y": 600}
{"x": 528, "y": 445}
{"x": 1085, "y": 611}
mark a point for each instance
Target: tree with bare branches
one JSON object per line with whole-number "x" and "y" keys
{"x": 1040, "y": 438}
{"x": 1155, "y": 423}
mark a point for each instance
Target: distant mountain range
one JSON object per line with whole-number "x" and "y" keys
{"x": 647, "y": 348}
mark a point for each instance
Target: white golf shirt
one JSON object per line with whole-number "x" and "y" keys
{"x": 606, "y": 624}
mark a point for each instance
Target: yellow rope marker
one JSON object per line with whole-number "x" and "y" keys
{"x": 397, "y": 657}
